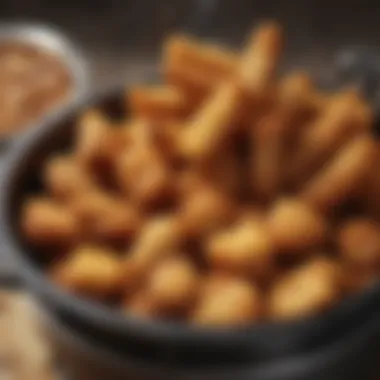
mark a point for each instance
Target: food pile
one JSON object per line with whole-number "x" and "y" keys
{"x": 226, "y": 195}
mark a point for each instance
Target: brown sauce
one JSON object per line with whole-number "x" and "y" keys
{"x": 32, "y": 82}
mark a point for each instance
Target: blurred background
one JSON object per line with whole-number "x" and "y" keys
{"x": 122, "y": 37}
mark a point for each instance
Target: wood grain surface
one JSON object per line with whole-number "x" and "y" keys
{"x": 24, "y": 354}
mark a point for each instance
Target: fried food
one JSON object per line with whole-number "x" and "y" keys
{"x": 65, "y": 179}
{"x": 257, "y": 70}
{"x": 343, "y": 117}
{"x": 174, "y": 284}
{"x": 336, "y": 182}
{"x": 157, "y": 102}
{"x": 245, "y": 249}
{"x": 211, "y": 124}
{"x": 235, "y": 302}
{"x": 359, "y": 242}
{"x": 105, "y": 217}
{"x": 295, "y": 227}
{"x": 91, "y": 270}
{"x": 47, "y": 223}
{"x": 306, "y": 290}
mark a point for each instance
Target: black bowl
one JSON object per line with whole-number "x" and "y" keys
{"x": 156, "y": 341}
{"x": 81, "y": 357}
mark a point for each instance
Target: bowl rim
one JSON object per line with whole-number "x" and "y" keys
{"x": 295, "y": 365}
{"x": 98, "y": 314}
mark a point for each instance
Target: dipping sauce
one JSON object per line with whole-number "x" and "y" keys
{"x": 32, "y": 82}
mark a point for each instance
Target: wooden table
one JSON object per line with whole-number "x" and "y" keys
{"x": 24, "y": 355}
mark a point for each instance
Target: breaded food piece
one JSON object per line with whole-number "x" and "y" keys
{"x": 295, "y": 227}
{"x": 205, "y": 209}
{"x": 194, "y": 66}
{"x": 179, "y": 49}
{"x": 245, "y": 249}
{"x": 338, "y": 180}
{"x": 359, "y": 242}
{"x": 90, "y": 270}
{"x": 225, "y": 171}
{"x": 106, "y": 217}
{"x": 358, "y": 278}
{"x": 65, "y": 178}
{"x": 98, "y": 142}
{"x": 298, "y": 97}
{"x": 258, "y": 65}
{"x": 211, "y": 124}
{"x": 159, "y": 239}
{"x": 158, "y": 102}
{"x": 234, "y": 303}
{"x": 143, "y": 173}
{"x": 141, "y": 305}
{"x": 47, "y": 223}
{"x": 174, "y": 284}
{"x": 308, "y": 289}
{"x": 268, "y": 154}
{"x": 344, "y": 116}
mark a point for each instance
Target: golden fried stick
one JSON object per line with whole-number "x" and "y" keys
{"x": 159, "y": 239}
{"x": 47, "y": 223}
{"x": 344, "y": 117}
{"x": 158, "y": 102}
{"x": 298, "y": 99}
{"x": 338, "y": 180}
{"x": 196, "y": 67}
{"x": 267, "y": 155}
{"x": 211, "y": 125}
{"x": 258, "y": 64}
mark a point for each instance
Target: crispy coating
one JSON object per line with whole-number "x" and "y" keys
{"x": 174, "y": 284}
{"x": 106, "y": 217}
{"x": 158, "y": 102}
{"x": 234, "y": 303}
{"x": 211, "y": 124}
{"x": 97, "y": 142}
{"x": 338, "y": 180}
{"x": 244, "y": 249}
{"x": 195, "y": 67}
{"x": 90, "y": 270}
{"x": 143, "y": 172}
{"x": 258, "y": 66}
{"x": 343, "y": 117}
{"x": 205, "y": 209}
{"x": 64, "y": 178}
{"x": 359, "y": 242}
{"x": 306, "y": 290}
{"x": 268, "y": 155}
{"x": 159, "y": 238}
{"x": 295, "y": 227}
{"x": 45, "y": 222}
